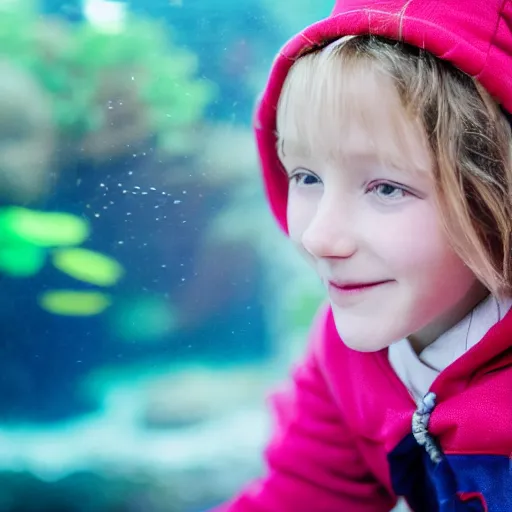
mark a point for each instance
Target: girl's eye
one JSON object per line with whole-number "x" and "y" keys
{"x": 388, "y": 191}
{"x": 303, "y": 178}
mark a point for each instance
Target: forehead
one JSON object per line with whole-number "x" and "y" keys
{"x": 336, "y": 110}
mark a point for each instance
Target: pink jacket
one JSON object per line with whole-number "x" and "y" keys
{"x": 349, "y": 437}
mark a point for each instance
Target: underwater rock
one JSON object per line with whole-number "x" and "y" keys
{"x": 195, "y": 396}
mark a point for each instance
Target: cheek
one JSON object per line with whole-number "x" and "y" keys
{"x": 421, "y": 252}
{"x": 299, "y": 214}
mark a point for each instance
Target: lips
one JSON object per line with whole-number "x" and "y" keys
{"x": 347, "y": 294}
{"x": 352, "y": 286}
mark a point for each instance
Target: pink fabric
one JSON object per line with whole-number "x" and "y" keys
{"x": 474, "y": 35}
{"x": 347, "y": 410}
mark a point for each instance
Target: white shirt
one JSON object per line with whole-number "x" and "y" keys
{"x": 419, "y": 372}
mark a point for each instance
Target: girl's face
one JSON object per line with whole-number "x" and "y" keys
{"x": 370, "y": 228}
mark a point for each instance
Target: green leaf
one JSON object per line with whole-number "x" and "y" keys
{"x": 43, "y": 229}
{"x": 74, "y": 303}
{"x": 21, "y": 259}
{"x": 88, "y": 266}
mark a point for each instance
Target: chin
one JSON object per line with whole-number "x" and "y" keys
{"x": 360, "y": 345}
{"x": 364, "y": 339}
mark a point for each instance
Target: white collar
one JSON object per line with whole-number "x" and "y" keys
{"x": 419, "y": 372}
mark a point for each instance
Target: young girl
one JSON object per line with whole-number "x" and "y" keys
{"x": 387, "y": 156}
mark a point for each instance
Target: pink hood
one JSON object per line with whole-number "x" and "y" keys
{"x": 474, "y": 35}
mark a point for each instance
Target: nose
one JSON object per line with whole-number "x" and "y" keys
{"x": 331, "y": 232}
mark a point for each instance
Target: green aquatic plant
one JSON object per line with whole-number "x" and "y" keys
{"x": 88, "y": 266}
{"x": 42, "y": 47}
{"x": 21, "y": 259}
{"x": 40, "y": 228}
{"x": 72, "y": 62}
{"x": 74, "y": 303}
{"x": 146, "y": 67}
{"x": 27, "y": 237}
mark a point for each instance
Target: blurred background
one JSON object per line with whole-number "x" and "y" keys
{"x": 148, "y": 300}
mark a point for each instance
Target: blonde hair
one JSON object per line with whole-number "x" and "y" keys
{"x": 468, "y": 136}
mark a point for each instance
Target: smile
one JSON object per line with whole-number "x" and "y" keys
{"x": 341, "y": 293}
